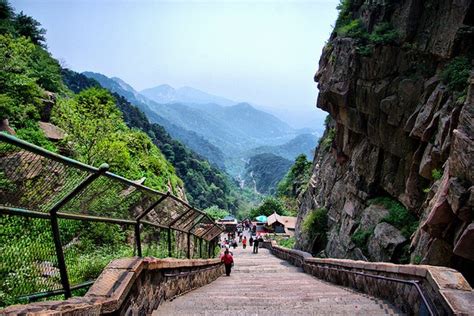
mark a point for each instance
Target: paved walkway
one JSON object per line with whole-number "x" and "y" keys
{"x": 262, "y": 284}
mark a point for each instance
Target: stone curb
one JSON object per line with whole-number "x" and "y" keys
{"x": 445, "y": 286}
{"x": 111, "y": 288}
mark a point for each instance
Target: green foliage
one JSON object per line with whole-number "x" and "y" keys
{"x": 266, "y": 171}
{"x": 216, "y": 213}
{"x": 398, "y": 216}
{"x": 326, "y": 142}
{"x": 295, "y": 182}
{"x": 345, "y": 16}
{"x": 456, "y": 73}
{"x": 95, "y": 127}
{"x": 36, "y": 136}
{"x": 361, "y": 237}
{"x": 315, "y": 226}
{"x": 355, "y": 29}
{"x": 30, "y": 28}
{"x": 20, "y": 25}
{"x": 349, "y": 26}
{"x": 417, "y": 259}
{"x": 269, "y": 206}
{"x": 384, "y": 33}
{"x": 436, "y": 174}
{"x": 315, "y": 221}
{"x": 287, "y": 242}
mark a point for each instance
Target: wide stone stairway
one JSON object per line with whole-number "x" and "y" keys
{"x": 262, "y": 284}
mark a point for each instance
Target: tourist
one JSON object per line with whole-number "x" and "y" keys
{"x": 255, "y": 245}
{"x": 251, "y": 241}
{"x": 244, "y": 242}
{"x": 234, "y": 243}
{"x": 228, "y": 261}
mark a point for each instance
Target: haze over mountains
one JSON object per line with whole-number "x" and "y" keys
{"x": 228, "y": 134}
{"x": 167, "y": 94}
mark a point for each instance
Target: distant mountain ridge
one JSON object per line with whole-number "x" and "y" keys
{"x": 231, "y": 128}
{"x": 167, "y": 94}
{"x": 191, "y": 139}
{"x": 301, "y": 144}
{"x": 224, "y": 134}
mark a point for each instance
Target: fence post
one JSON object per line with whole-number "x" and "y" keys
{"x": 60, "y": 256}
{"x": 209, "y": 242}
{"x": 55, "y": 226}
{"x": 137, "y": 239}
{"x": 189, "y": 246}
{"x": 169, "y": 242}
{"x": 200, "y": 248}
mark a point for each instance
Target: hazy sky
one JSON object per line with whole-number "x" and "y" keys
{"x": 264, "y": 52}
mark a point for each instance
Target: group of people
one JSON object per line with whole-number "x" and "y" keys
{"x": 227, "y": 256}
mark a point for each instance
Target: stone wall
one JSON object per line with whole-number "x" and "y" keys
{"x": 446, "y": 289}
{"x": 131, "y": 286}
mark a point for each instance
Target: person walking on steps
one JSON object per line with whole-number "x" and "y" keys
{"x": 228, "y": 261}
{"x": 255, "y": 245}
{"x": 244, "y": 242}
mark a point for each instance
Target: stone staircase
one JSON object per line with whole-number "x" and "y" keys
{"x": 262, "y": 284}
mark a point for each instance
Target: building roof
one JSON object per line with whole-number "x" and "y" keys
{"x": 288, "y": 221}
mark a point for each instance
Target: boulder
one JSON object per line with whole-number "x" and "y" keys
{"x": 371, "y": 216}
{"x": 385, "y": 241}
{"x": 5, "y": 127}
{"x": 456, "y": 194}
{"x": 438, "y": 253}
{"x": 465, "y": 245}
{"x": 52, "y": 131}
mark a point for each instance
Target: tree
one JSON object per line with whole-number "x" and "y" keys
{"x": 216, "y": 213}
{"x": 269, "y": 206}
{"x": 28, "y": 27}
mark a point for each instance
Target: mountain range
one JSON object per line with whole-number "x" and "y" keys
{"x": 224, "y": 132}
{"x": 167, "y": 94}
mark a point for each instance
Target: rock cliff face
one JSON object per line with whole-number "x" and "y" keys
{"x": 400, "y": 136}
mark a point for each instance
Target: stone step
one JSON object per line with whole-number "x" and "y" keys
{"x": 261, "y": 284}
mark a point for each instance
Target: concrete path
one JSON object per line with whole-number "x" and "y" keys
{"x": 262, "y": 284}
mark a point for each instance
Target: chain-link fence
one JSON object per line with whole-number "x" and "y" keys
{"x": 62, "y": 222}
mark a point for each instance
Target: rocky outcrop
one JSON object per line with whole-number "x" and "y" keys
{"x": 401, "y": 131}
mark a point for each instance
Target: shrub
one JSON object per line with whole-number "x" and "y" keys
{"x": 456, "y": 74}
{"x": 344, "y": 8}
{"x": 398, "y": 216}
{"x": 436, "y": 174}
{"x": 383, "y": 33}
{"x": 326, "y": 142}
{"x": 361, "y": 237}
{"x": 287, "y": 242}
{"x": 354, "y": 29}
{"x": 316, "y": 222}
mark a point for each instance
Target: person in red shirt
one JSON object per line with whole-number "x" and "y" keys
{"x": 244, "y": 242}
{"x": 228, "y": 261}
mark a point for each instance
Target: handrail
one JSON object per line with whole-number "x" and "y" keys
{"x": 95, "y": 172}
{"x": 73, "y": 197}
{"x": 45, "y": 153}
{"x": 382, "y": 277}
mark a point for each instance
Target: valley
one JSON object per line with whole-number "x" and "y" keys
{"x": 227, "y": 134}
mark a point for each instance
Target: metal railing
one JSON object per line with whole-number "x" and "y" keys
{"x": 56, "y": 212}
{"x": 429, "y": 310}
